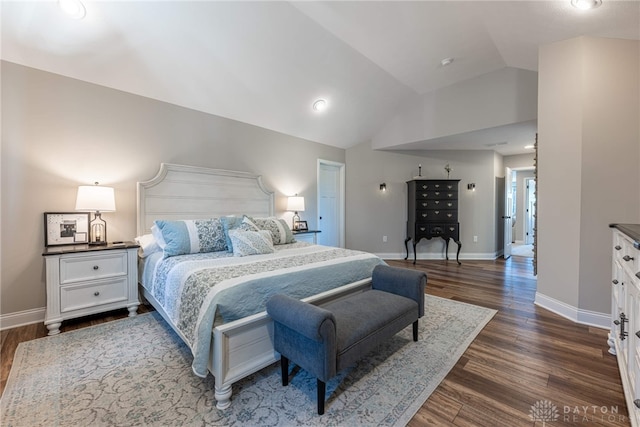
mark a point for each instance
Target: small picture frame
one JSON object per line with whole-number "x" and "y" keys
{"x": 300, "y": 226}
{"x": 66, "y": 228}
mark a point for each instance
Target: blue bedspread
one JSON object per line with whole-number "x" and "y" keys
{"x": 201, "y": 291}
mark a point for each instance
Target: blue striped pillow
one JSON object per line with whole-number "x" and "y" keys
{"x": 192, "y": 236}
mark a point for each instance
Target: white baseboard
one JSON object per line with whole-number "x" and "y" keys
{"x": 436, "y": 256}
{"x": 21, "y": 318}
{"x": 585, "y": 317}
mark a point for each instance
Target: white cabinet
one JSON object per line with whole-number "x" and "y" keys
{"x": 83, "y": 280}
{"x": 624, "y": 337}
{"x": 309, "y": 236}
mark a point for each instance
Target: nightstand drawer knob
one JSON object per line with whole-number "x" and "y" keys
{"x": 96, "y": 293}
{"x": 627, "y": 258}
{"x": 95, "y": 267}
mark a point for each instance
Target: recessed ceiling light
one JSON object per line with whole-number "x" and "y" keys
{"x": 73, "y": 8}
{"x": 320, "y": 105}
{"x": 529, "y": 147}
{"x": 446, "y": 61}
{"x": 586, "y": 4}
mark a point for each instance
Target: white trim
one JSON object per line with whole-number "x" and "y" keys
{"x": 438, "y": 256}
{"x": 22, "y": 318}
{"x": 584, "y": 317}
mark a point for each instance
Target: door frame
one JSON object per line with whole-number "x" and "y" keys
{"x": 341, "y": 196}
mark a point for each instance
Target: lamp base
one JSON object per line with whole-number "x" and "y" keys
{"x": 97, "y": 243}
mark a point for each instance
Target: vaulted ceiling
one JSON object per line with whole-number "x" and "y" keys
{"x": 264, "y": 63}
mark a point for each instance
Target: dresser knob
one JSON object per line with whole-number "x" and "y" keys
{"x": 614, "y": 281}
{"x": 618, "y": 247}
{"x": 449, "y": 215}
{"x": 637, "y": 403}
{"x": 437, "y": 212}
{"x": 628, "y": 258}
{"x": 96, "y": 293}
{"x": 437, "y": 193}
{"x": 95, "y": 267}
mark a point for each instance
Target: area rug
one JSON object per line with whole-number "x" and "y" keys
{"x": 136, "y": 371}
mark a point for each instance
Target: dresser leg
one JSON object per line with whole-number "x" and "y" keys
{"x": 414, "y": 252}
{"x": 54, "y": 328}
{"x": 446, "y": 248}
{"x": 459, "y": 243}
{"x": 133, "y": 310}
{"x": 406, "y": 247}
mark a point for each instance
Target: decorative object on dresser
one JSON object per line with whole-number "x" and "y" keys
{"x": 84, "y": 279}
{"x": 66, "y": 228}
{"x": 624, "y": 337}
{"x": 99, "y": 199}
{"x": 433, "y": 212}
{"x": 295, "y": 204}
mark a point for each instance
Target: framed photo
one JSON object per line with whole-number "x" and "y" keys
{"x": 300, "y": 226}
{"x": 66, "y": 228}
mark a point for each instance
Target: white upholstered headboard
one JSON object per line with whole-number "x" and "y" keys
{"x": 191, "y": 192}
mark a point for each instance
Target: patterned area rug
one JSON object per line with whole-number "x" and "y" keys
{"x": 136, "y": 371}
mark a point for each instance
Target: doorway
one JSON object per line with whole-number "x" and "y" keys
{"x": 331, "y": 203}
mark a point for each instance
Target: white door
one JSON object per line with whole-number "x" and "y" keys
{"x": 508, "y": 208}
{"x": 331, "y": 203}
{"x": 531, "y": 211}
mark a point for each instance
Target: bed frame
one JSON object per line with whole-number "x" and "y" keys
{"x": 244, "y": 346}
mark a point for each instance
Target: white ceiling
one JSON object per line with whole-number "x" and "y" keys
{"x": 264, "y": 63}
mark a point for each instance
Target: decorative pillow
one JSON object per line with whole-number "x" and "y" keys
{"x": 233, "y": 223}
{"x": 192, "y": 236}
{"x": 280, "y": 231}
{"x": 148, "y": 245}
{"x": 251, "y": 242}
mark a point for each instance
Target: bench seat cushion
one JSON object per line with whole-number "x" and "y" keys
{"x": 367, "y": 319}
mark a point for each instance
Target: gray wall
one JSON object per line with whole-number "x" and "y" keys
{"x": 59, "y": 133}
{"x": 372, "y": 214}
{"x": 589, "y": 143}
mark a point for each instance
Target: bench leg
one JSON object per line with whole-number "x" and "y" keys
{"x": 284, "y": 370}
{"x": 321, "y": 391}
{"x": 415, "y": 330}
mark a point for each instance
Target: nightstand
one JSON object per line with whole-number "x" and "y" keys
{"x": 84, "y": 279}
{"x": 310, "y": 236}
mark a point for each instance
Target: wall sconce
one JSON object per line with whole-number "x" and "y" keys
{"x": 471, "y": 186}
{"x": 383, "y": 186}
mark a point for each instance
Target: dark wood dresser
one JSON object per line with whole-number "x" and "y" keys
{"x": 433, "y": 212}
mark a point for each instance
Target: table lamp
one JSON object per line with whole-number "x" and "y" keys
{"x": 99, "y": 199}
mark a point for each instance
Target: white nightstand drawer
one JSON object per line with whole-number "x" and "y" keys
{"x": 88, "y": 267}
{"x": 76, "y": 297}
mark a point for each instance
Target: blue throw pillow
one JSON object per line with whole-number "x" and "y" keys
{"x": 192, "y": 236}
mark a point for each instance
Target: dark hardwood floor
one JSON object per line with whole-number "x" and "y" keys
{"x": 524, "y": 356}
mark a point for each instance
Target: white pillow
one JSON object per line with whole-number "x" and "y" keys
{"x": 157, "y": 234}
{"x": 251, "y": 242}
{"x": 148, "y": 245}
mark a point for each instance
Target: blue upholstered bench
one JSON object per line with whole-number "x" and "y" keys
{"x": 325, "y": 340}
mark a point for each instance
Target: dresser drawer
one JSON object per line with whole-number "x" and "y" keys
{"x": 437, "y": 195}
{"x": 76, "y": 297}
{"x": 437, "y": 204}
{"x": 440, "y": 215}
{"x": 89, "y": 267}
{"x": 436, "y": 185}
{"x": 430, "y": 230}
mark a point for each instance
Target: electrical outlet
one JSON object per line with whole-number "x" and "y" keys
{"x": 384, "y": 239}
{"x": 475, "y": 239}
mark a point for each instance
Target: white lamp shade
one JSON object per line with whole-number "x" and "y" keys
{"x": 95, "y": 198}
{"x": 295, "y": 203}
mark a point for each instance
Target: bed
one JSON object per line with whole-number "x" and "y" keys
{"x": 214, "y": 300}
